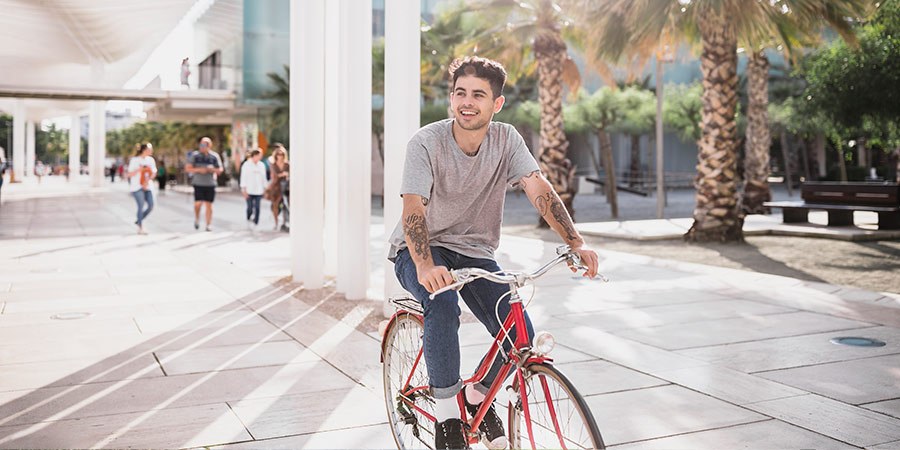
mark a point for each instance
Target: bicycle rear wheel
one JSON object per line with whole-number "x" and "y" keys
{"x": 402, "y": 348}
{"x": 560, "y": 418}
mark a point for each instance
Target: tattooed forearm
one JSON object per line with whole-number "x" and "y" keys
{"x": 543, "y": 203}
{"x": 417, "y": 235}
{"x": 550, "y": 203}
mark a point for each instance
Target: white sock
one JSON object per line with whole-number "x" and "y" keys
{"x": 446, "y": 408}
{"x": 473, "y": 396}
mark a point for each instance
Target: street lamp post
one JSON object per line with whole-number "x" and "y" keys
{"x": 663, "y": 56}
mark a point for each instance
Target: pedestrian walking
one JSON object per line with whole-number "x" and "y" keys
{"x": 141, "y": 172}
{"x": 39, "y": 170}
{"x": 253, "y": 185}
{"x": 205, "y": 165}
{"x": 276, "y": 192}
{"x": 162, "y": 175}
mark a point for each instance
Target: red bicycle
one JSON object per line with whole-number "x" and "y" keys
{"x": 544, "y": 409}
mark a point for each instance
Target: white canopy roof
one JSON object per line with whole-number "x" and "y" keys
{"x": 81, "y": 43}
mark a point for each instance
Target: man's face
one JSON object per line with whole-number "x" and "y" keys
{"x": 256, "y": 157}
{"x": 205, "y": 146}
{"x": 473, "y": 103}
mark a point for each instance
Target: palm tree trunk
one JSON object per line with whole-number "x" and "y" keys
{"x": 607, "y": 156}
{"x": 635, "y": 169}
{"x": 550, "y": 52}
{"x": 716, "y": 214}
{"x": 756, "y": 161}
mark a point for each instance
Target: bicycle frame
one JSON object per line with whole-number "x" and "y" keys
{"x": 519, "y": 355}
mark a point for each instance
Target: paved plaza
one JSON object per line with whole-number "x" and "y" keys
{"x": 187, "y": 338}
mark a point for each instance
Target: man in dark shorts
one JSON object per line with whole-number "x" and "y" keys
{"x": 205, "y": 165}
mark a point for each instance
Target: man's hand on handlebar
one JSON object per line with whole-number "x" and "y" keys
{"x": 589, "y": 260}
{"x": 434, "y": 278}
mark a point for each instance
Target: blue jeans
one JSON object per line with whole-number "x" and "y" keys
{"x": 253, "y": 207}
{"x": 142, "y": 196}
{"x": 441, "y": 338}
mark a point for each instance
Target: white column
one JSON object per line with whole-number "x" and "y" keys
{"x": 307, "y": 124}
{"x": 97, "y": 141}
{"x": 332, "y": 141}
{"x": 401, "y": 109}
{"x": 355, "y": 130}
{"x": 19, "y": 139}
{"x": 29, "y": 148}
{"x": 75, "y": 146}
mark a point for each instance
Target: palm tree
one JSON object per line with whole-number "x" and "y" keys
{"x": 279, "y": 128}
{"x": 791, "y": 30}
{"x": 531, "y": 38}
{"x": 718, "y": 24}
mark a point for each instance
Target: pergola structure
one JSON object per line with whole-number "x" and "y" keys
{"x": 84, "y": 51}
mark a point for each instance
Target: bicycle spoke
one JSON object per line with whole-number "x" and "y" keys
{"x": 559, "y": 417}
{"x": 412, "y": 429}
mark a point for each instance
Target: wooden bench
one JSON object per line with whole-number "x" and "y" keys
{"x": 840, "y": 200}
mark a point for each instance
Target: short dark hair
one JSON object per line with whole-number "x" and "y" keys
{"x": 486, "y": 69}
{"x": 255, "y": 152}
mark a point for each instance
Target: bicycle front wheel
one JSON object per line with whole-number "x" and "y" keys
{"x": 404, "y": 367}
{"x": 559, "y": 416}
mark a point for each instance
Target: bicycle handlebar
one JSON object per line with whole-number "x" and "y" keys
{"x": 469, "y": 274}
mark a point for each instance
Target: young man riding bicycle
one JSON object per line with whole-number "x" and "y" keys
{"x": 454, "y": 186}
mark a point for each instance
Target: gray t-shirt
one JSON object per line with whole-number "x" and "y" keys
{"x": 465, "y": 193}
{"x": 197, "y": 159}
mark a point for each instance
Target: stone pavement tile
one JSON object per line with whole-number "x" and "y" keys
{"x": 169, "y": 428}
{"x": 62, "y": 329}
{"x": 729, "y": 385}
{"x": 769, "y": 434}
{"x": 60, "y": 292}
{"x": 313, "y": 412}
{"x": 66, "y": 303}
{"x": 608, "y": 297}
{"x": 89, "y": 284}
{"x": 101, "y": 399}
{"x": 631, "y": 354}
{"x": 185, "y": 289}
{"x": 890, "y": 407}
{"x": 600, "y": 377}
{"x": 337, "y": 341}
{"x": 796, "y": 351}
{"x": 847, "y": 423}
{"x": 213, "y": 337}
{"x": 859, "y": 381}
{"x": 158, "y": 323}
{"x": 620, "y": 319}
{"x": 14, "y": 377}
{"x": 234, "y": 357}
{"x": 662, "y": 411}
{"x": 887, "y": 446}
{"x": 742, "y": 329}
{"x": 71, "y": 347}
{"x": 373, "y": 436}
{"x": 105, "y": 315}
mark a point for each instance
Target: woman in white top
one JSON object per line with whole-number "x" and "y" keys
{"x": 253, "y": 184}
{"x": 141, "y": 170}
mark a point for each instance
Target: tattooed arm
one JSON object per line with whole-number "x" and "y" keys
{"x": 416, "y": 232}
{"x": 551, "y": 208}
